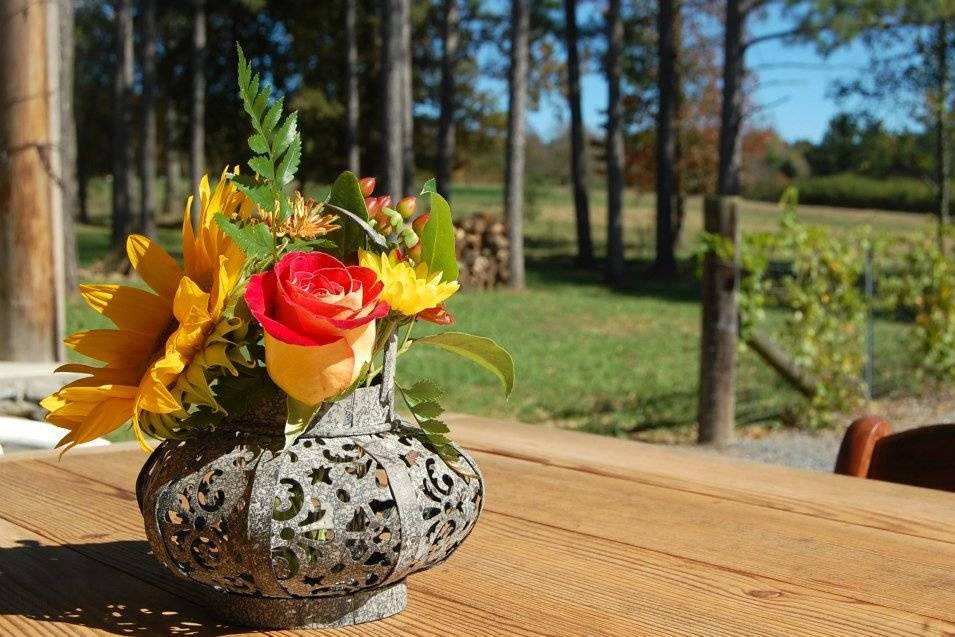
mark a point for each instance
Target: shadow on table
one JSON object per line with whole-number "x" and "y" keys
{"x": 73, "y": 584}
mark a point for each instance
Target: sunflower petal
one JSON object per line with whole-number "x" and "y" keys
{"x": 102, "y": 419}
{"x": 117, "y": 348}
{"x": 129, "y": 308}
{"x": 159, "y": 270}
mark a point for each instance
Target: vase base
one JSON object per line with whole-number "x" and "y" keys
{"x": 308, "y": 612}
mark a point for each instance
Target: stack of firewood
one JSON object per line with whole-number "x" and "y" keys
{"x": 482, "y": 251}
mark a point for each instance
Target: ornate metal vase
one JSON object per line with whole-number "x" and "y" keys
{"x": 319, "y": 535}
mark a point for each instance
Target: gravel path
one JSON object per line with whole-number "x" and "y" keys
{"x": 792, "y": 448}
{"x": 818, "y": 450}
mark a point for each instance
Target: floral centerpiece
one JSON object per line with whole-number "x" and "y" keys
{"x": 265, "y": 362}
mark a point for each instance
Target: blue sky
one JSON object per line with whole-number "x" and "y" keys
{"x": 794, "y": 89}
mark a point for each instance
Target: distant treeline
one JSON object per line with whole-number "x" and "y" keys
{"x": 906, "y": 194}
{"x": 857, "y": 164}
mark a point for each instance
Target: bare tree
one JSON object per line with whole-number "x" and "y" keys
{"x": 731, "y": 118}
{"x": 30, "y": 219}
{"x": 122, "y": 124}
{"x": 665, "y": 262}
{"x": 352, "y": 150}
{"x": 68, "y": 177}
{"x": 392, "y": 111}
{"x": 450, "y": 35}
{"x": 407, "y": 102}
{"x": 147, "y": 165}
{"x": 615, "y": 149}
{"x": 198, "y": 145}
{"x": 170, "y": 159}
{"x": 516, "y": 106}
{"x": 578, "y": 149}
{"x": 942, "y": 151}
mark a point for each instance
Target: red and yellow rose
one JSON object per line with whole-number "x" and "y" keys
{"x": 319, "y": 320}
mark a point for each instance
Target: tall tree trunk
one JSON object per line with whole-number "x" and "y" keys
{"x": 170, "y": 160}
{"x": 942, "y": 152}
{"x": 516, "y": 105}
{"x": 578, "y": 149}
{"x": 198, "y": 145}
{"x": 352, "y": 149}
{"x": 731, "y": 116}
{"x": 68, "y": 177}
{"x": 665, "y": 262}
{"x": 679, "y": 215}
{"x": 123, "y": 163}
{"x": 615, "y": 260}
{"x": 407, "y": 102}
{"x": 450, "y": 34}
{"x": 147, "y": 167}
{"x": 30, "y": 218}
{"x": 82, "y": 191}
{"x": 392, "y": 112}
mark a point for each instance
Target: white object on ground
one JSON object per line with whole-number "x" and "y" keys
{"x": 22, "y": 433}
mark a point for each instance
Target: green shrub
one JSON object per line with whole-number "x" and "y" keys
{"x": 907, "y": 194}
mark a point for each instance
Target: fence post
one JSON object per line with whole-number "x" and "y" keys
{"x": 720, "y": 329}
{"x": 869, "y": 325}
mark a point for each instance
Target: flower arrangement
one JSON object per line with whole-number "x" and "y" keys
{"x": 276, "y": 295}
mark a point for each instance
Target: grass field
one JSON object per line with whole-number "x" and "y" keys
{"x": 621, "y": 362}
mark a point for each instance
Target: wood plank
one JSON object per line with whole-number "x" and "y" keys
{"x": 512, "y": 569}
{"x": 48, "y": 589}
{"x": 890, "y": 507}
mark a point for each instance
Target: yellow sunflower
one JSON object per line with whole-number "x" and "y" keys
{"x": 156, "y": 360}
{"x": 408, "y": 289}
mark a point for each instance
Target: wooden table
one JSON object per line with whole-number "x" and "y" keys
{"x": 581, "y": 536}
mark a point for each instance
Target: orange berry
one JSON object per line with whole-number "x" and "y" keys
{"x": 406, "y": 206}
{"x": 419, "y": 223}
{"x": 367, "y": 185}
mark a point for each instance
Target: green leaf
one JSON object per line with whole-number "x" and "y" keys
{"x": 258, "y": 144}
{"x": 261, "y": 166}
{"x": 423, "y": 391}
{"x": 261, "y": 100}
{"x": 477, "y": 349}
{"x": 254, "y": 241}
{"x": 298, "y": 419}
{"x": 285, "y": 134}
{"x": 260, "y": 194}
{"x": 370, "y": 233}
{"x": 437, "y": 240}
{"x": 346, "y": 195}
{"x": 308, "y": 245}
{"x": 289, "y": 164}
{"x": 271, "y": 119}
{"x": 432, "y": 426}
{"x": 429, "y": 186}
{"x": 245, "y": 70}
{"x": 428, "y": 409}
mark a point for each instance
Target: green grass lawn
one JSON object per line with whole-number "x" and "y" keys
{"x": 621, "y": 362}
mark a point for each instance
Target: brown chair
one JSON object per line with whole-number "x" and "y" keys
{"x": 923, "y": 457}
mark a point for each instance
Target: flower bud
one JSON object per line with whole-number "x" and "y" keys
{"x": 408, "y": 236}
{"x": 406, "y": 206}
{"x": 394, "y": 217}
{"x": 367, "y": 185}
{"x": 373, "y": 205}
{"x": 419, "y": 223}
{"x": 415, "y": 251}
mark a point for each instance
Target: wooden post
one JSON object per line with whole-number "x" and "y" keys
{"x": 31, "y": 247}
{"x": 720, "y": 327}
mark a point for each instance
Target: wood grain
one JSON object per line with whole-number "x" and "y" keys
{"x": 580, "y": 566}
{"x": 880, "y": 505}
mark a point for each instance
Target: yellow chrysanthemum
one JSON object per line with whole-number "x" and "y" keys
{"x": 408, "y": 289}
{"x": 165, "y": 341}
